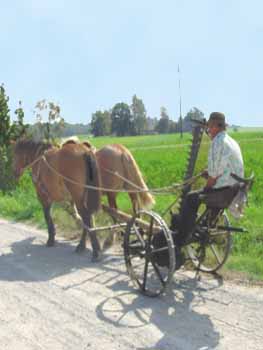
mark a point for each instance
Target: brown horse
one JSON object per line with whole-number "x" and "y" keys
{"x": 119, "y": 171}
{"x": 61, "y": 174}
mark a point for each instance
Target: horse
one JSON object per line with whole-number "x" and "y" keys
{"x": 61, "y": 174}
{"x": 119, "y": 171}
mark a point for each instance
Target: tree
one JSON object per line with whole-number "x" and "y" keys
{"x": 172, "y": 127}
{"x": 20, "y": 129}
{"x": 151, "y": 124}
{"x": 194, "y": 113}
{"x": 139, "y": 115}
{"x": 101, "y": 123}
{"x": 8, "y": 131}
{"x": 5, "y": 122}
{"x": 163, "y": 124}
{"x": 121, "y": 119}
{"x": 50, "y": 123}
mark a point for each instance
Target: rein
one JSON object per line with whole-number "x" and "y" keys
{"x": 33, "y": 163}
{"x": 163, "y": 190}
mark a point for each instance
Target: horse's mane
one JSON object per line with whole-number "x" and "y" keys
{"x": 69, "y": 142}
{"x": 86, "y": 144}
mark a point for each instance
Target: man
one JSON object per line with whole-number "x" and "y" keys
{"x": 224, "y": 159}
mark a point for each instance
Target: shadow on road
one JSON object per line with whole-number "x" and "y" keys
{"x": 177, "y": 316}
{"x": 28, "y": 261}
{"x": 180, "y": 326}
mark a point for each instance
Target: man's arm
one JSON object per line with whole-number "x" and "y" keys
{"x": 210, "y": 181}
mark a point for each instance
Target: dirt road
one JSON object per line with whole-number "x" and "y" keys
{"x": 52, "y": 298}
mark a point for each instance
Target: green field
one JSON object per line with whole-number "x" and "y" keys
{"x": 162, "y": 159}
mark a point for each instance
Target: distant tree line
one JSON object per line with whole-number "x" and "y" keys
{"x": 123, "y": 120}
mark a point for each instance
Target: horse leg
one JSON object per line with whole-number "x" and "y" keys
{"x": 112, "y": 200}
{"x": 96, "y": 250}
{"x": 81, "y": 247}
{"x": 46, "y": 201}
{"x": 50, "y": 225}
{"x": 87, "y": 222}
{"x": 109, "y": 241}
{"x": 82, "y": 243}
{"x": 46, "y": 205}
{"x": 135, "y": 202}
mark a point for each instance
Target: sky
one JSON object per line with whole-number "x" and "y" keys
{"x": 89, "y": 55}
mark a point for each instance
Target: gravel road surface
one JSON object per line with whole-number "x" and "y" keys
{"x": 53, "y": 298}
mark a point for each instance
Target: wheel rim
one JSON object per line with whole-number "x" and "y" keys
{"x": 142, "y": 256}
{"x": 212, "y": 253}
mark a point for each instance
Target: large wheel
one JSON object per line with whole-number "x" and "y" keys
{"x": 210, "y": 251}
{"x": 149, "y": 253}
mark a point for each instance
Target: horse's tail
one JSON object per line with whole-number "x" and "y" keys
{"x": 134, "y": 175}
{"x": 92, "y": 197}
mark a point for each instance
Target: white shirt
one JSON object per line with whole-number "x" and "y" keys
{"x": 225, "y": 158}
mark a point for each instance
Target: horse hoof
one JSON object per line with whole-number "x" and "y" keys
{"x": 96, "y": 258}
{"x": 50, "y": 243}
{"x": 80, "y": 248}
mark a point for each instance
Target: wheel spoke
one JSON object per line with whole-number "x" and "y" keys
{"x": 151, "y": 228}
{"x": 210, "y": 254}
{"x": 139, "y": 236}
{"x": 158, "y": 272}
{"x": 136, "y": 244}
{"x": 145, "y": 273}
{"x": 215, "y": 253}
{"x": 137, "y": 255}
{"x": 145, "y": 241}
{"x": 159, "y": 250}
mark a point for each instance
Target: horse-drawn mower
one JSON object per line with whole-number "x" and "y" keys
{"x": 153, "y": 249}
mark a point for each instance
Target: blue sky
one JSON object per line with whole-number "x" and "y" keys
{"x": 89, "y": 55}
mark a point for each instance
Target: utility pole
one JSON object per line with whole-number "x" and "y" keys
{"x": 180, "y": 104}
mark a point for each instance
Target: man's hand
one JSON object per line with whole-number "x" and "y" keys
{"x": 211, "y": 181}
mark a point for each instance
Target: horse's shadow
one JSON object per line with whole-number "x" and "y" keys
{"x": 30, "y": 261}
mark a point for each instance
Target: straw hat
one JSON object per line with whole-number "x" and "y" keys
{"x": 217, "y": 117}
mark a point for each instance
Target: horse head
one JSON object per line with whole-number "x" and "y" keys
{"x": 25, "y": 152}
{"x": 19, "y": 160}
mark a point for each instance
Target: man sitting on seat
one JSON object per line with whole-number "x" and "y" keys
{"x": 224, "y": 158}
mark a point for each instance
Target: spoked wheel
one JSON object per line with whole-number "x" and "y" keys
{"x": 209, "y": 252}
{"x": 149, "y": 253}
